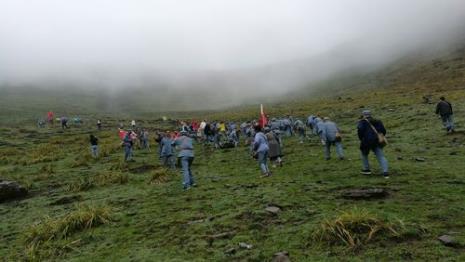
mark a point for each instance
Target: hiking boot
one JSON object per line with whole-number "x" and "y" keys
{"x": 386, "y": 175}
{"x": 365, "y": 172}
{"x": 194, "y": 185}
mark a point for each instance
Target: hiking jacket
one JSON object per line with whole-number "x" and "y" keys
{"x": 366, "y": 134}
{"x": 328, "y": 131}
{"x": 186, "y": 147}
{"x": 166, "y": 147}
{"x": 93, "y": 141}
{"x": 444, "y": 108}
{"x": 260, "y": 143}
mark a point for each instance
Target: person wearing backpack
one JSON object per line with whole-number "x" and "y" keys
{"x": 371, "y": 133}
{"x": 444, "y": 109}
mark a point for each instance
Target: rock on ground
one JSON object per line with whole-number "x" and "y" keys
{"x": 11, "y": 190}
{"x": 282, "y": 256}
{"x": 448, "y": 240}
{"x": 365, "y": 193}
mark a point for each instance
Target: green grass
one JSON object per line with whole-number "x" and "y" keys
{"x": 155, "y": 220}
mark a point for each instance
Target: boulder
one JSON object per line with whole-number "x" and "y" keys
{"x": 11, "y": 190}
{"x": 448, "y": 241}
{"x": 365, "y": 193}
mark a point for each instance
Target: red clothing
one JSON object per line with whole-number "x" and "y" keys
{"x": 122, "y": 134}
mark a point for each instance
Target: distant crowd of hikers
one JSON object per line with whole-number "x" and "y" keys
{"x": 264, "y": 139}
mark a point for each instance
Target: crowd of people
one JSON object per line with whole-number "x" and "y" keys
{"x": 264, "y": 139}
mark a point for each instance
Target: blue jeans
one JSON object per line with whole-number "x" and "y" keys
{"x": 186, "y": 163}
{"x": 383, "y": 163}
{"x": 448, "y": 122}
{"x": 262, "y": 158}
{"x": 339, "y": 150}
{"x": 127, "y": 153}
{"x": 94, "y": 150}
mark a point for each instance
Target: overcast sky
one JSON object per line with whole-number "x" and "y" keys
{"x": 123, "y": 39}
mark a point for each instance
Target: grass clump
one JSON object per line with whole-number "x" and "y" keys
{"x": 49, "y": 229}
{"x": 159, "y": 176}
{"x": 109, "y": 178}
{"x": 359, "y": 227}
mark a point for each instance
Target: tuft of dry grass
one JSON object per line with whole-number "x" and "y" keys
{"x": 49, "y": 229}
{"x": 159, "y": 176}
{"x": 358, "y": 227}
{"x": 101, "y": 179}
{"x": 108, "y": 178}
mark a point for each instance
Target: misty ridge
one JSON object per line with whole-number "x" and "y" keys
{"x": 190, "y": 58}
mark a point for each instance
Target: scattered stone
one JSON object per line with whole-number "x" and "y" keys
{"x": 273, "y": 209}
{"x": 245, "y": 245}
{"x": 400, "y": 158}
{"x": 11, "y": 190}
{"x": 365, "y": 193}
{"x": 131, "y": 213}
{"x": 448, "y": 241}
{"x": 200, "y": 221}
{"x": 230, "y": 251}
{"x": 282, "y": 256}
{"x": 222, "y": 235}
{"x": 66, "y": 200}
{"x": 420, "y": 159}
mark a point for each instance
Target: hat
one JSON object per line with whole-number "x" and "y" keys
{"x": 366, "y": 113}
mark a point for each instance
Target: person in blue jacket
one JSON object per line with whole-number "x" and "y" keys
{"x": 166, "y": 151}
{"x": 260, "y": 149}
{"x": 186, "y": 156}
{"x": 368, "y": 129}
{"x": 330, "y": 134}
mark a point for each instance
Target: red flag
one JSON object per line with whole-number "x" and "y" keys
{"x": 262, "y": 121}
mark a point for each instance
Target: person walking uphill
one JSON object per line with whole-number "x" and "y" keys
{"x": 93, "y": 145}
{"x": 330, "y": 135}
{"x": 186, "y": 156}
{"x": 371, "y": 133}
{"x": 260, "y": 149}
{"x": 444, "y": 109}
{"x": 127, "y": 144}
{"x": 166, "y": 151}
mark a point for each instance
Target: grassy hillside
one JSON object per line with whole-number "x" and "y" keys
{"x": 138, "y": 211}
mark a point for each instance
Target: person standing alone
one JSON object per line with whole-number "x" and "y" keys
{"x": 93, "y": 145}
{"x": 444, "y": 109}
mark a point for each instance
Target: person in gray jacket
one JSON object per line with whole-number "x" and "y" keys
{"x": 330, "y": 135}
{"x": 166, "y": 151}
